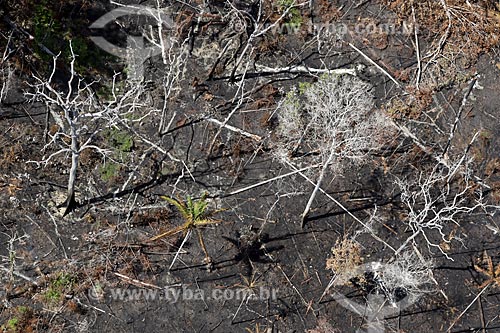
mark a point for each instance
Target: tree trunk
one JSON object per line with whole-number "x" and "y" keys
{"x": 70, "y": 202}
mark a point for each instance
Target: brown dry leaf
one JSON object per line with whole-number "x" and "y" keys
{"x": 208, "y": 97}
{"x": 491, "y": 272}
{"x": 13, "y": 186}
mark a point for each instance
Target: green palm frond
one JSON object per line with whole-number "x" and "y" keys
{"x": 190, "y": 206}
{"x": 199, "y": 209}
{"x": 181, "y": 206}
{"x": 194, "y": 213}
{"x": 196, "y": 216}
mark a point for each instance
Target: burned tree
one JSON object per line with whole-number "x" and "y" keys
{"x": 329, "y": 122}
{"x": 73, "y": 108}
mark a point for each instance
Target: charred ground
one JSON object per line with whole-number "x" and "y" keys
{"x": 434, "y": 75}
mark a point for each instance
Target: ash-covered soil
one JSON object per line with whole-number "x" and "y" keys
{"x": 410, "y": 222}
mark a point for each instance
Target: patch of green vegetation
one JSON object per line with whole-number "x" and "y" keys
{"x": 294, "y": 19}
{"x": 329, "y": 77}
{"x": 12, "y": 324}
{"x": 86, "y": 55}
{"x": 122, "y": 141}
{"x": 44, "y": 22}
{"x": 303, "y": 87}
{"x": 117, "y": 85}
{"x": 61, "y": 285}
{"x": 23, "y": 309}
{"x": 284, "y": 4}
{"x": 18, "y": 320}
{"x": 292, "y": 98}
{"x": 98, "y": 289}
{"x": 105, "y": 91}
{"x": 109, "y": 170}
{"x": 52, "y": 295}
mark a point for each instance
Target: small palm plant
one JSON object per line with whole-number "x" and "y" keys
{"x": 195, "y": 216}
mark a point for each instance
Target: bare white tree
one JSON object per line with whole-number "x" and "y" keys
{"x": 439, "y": 199}
{"x": 332, "y": 120}
{"x": 73, "y": 108}
{"x": 408, "y": 273}
{"x": 82, "y": 121}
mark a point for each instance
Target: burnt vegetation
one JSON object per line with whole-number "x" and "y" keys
{"x": 299, "y": 149}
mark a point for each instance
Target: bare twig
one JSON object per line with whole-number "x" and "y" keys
{"x": 468, "y": 307}
{"x": 186, "y": 237}
{"x": 305, "y": 70}
{"x": 136, "y": 282}
{"x": 375, "y": 64}
{"x": 417, "y": 48}
{"x": 18, "y": 274}
{"x": 56, "y": 229}
{"x": 459, "y": 113}
{"x": 235, "y": 129}
{"x": 271, "y": 180}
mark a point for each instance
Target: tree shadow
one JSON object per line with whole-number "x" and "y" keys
{"x": 251, "y": 246}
